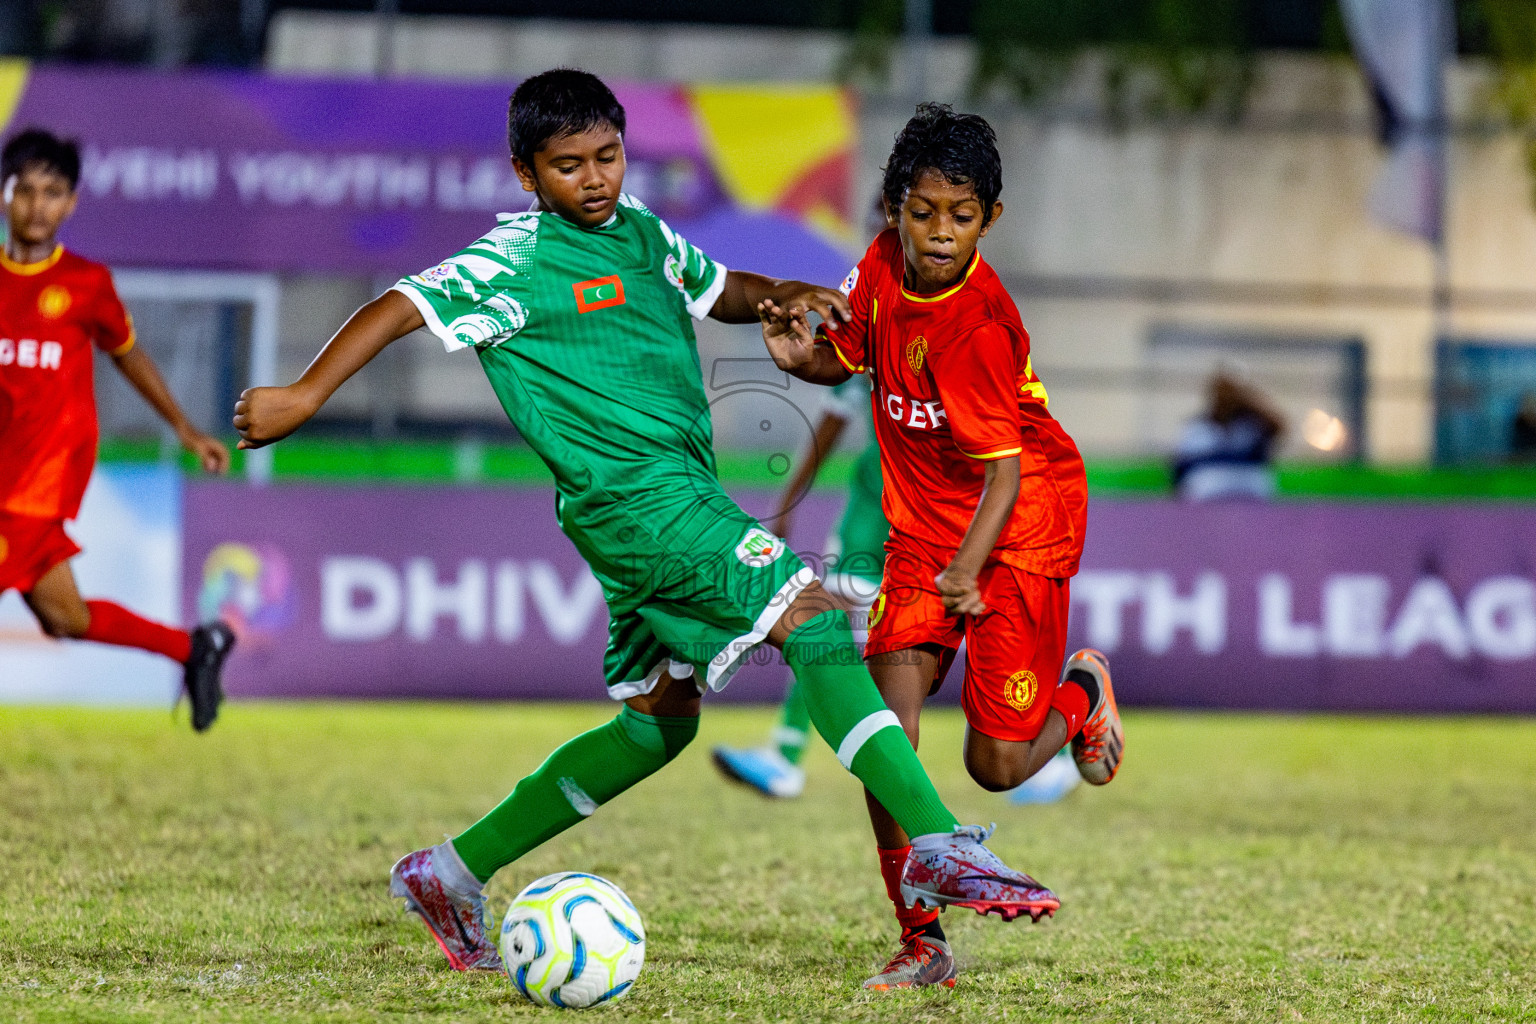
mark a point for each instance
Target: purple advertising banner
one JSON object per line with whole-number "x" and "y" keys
{"x": 413, "y": 592}
{"x": 467, "y": 592}
{"x": 241, "y": 171}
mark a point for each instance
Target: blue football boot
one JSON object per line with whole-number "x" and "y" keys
{"x": 763, "y": 768}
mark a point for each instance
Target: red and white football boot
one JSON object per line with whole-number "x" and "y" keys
{"x": 456, "y": 920}
{"x": 961, "y": 872}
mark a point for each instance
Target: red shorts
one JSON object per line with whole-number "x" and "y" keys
{"x": 1014, "y": 650}
{"x": 29, "y": 547}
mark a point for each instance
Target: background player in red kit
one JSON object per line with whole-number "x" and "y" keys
{"x": 54, "y": 308}
{"x": 984, "y": 490}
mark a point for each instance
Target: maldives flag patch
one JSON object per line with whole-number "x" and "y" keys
{"x": 598, "y": 293}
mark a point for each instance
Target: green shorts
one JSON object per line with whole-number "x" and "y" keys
{"x": 690, "y": 579}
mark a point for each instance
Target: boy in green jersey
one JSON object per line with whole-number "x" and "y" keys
{"x": 579, "y": 311}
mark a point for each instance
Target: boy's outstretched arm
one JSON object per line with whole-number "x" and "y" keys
{"x": 999, "y": 494}
{"x": 265, "y": 415}
{"x": 744, "y": 292}
{"x": 794, "y": 348}
{"x": 140, "y": 371}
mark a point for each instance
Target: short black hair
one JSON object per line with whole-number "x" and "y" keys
{"x": 36, "y": 146}
{"x": 565, "y": 101}
{"x": 961, "y": 147}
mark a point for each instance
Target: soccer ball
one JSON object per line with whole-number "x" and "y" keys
{"x": 572, "y": 940}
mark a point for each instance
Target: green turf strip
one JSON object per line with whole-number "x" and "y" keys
{"x": 1242, "y": 868}
{"x": 436, "y": 462}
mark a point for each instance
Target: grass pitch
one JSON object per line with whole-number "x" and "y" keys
{"x": 1242, "y": 868}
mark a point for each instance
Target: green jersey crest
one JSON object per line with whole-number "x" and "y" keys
{"x": 759, "y": 548}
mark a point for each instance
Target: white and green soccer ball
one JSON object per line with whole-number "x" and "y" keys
{"x": 572, "y": 940}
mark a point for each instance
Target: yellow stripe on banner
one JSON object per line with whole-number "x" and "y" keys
{"x": 13, "y": 82}
{"x": 745, "y": 129}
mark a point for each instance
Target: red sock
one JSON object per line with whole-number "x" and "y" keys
{"x": 1072, "y": 701}
{"x": 910, "y": 918}
{"x": 114, "y": 624}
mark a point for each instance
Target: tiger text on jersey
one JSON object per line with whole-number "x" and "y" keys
{"x": 31, "y": 353}
{"x": 912, "y": 412}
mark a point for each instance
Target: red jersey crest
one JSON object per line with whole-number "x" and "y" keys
{"x": 917, "y": 351}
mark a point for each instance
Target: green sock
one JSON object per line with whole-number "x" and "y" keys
{"x": 574, "y": 781}
{"x": 853, "y": 719}
{"x": 794, "y": 725}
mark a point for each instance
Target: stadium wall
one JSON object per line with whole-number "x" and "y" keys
{"x": 1114, "y": 231}
{"x": 130, "y": 530}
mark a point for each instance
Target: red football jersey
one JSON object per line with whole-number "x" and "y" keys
{"x": 954, "y": 388}
{"x": 51, "y": 314}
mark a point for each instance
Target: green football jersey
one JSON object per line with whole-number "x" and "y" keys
{"x": 586, "y": 338}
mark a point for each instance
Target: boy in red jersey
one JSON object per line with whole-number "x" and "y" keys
{"x": 985, "y": 493}
{"x": 54, "y": 307}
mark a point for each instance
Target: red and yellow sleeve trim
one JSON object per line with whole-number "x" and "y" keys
{"x": 127, "y": 346}
{"x": 946, "y": 293}
{"x": 29, "y": 269}
{"x": 874, "y": 313}
{"x": 1033, "y": 387}
{"x": 840, "y": 358}
{"x": 1001, "y": 453}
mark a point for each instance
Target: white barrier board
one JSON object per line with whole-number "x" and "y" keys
{"x": 130, "y": 528}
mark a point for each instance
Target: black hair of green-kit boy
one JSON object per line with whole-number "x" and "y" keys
{"x": 557, "y": 103}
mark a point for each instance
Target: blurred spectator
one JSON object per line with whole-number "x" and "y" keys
{"x": 19, "y": 28}
{"x": 167, "y": 33}
{"x": 1522, "y": 430}
{"x": 1226, "y": 452}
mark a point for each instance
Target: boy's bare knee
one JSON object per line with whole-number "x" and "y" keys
{"x": 670, "y": 698}
{"x": 812, "y": 601}
{"x": 995, "y": 778}
{"x": 996, "y": 765}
